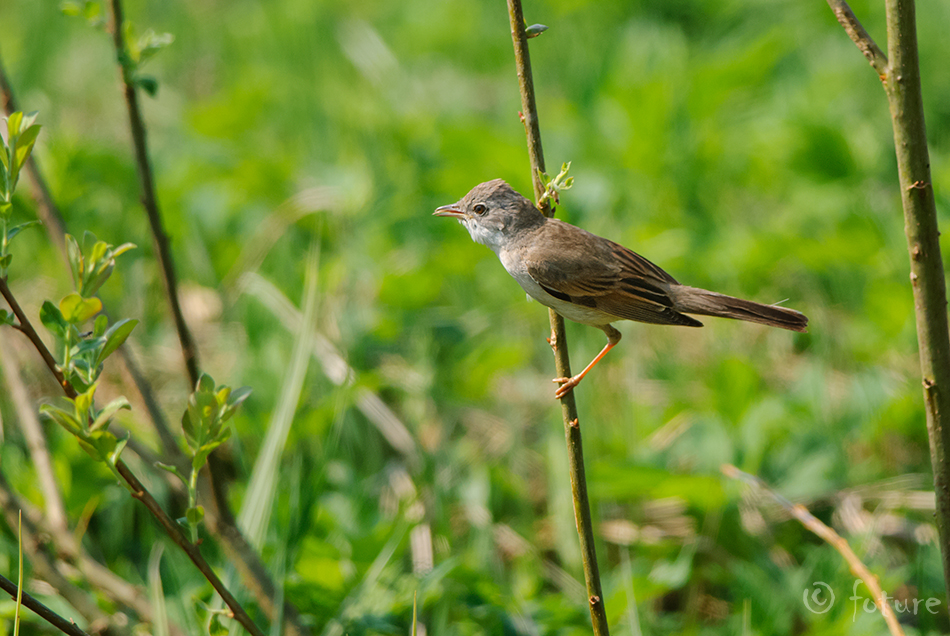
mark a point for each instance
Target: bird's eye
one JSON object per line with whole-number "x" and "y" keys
{"x": 480, "y": 208}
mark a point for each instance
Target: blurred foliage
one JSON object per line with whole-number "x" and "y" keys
{"x": 743, "y": 146}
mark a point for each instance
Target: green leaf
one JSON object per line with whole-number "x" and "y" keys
{"x": 122, "y": 249}
{"x": 109, "y": 411}
{"x": 98, "y": 252}
{"x": 148, "y": 84}
{"x": 97, "y": 278}
{"x": 101, "y": 445}
{"x": 239, "y": 395}
{"x": 5, "y": 261}
{"x": 29, "y": 118}
{"x": 24, "y": 146}
{"x": 115, "y": 336}
{"x": 151, "y": 43}
{"x": 88, "y": 241}
{"x": 52, "y": 319}
{"x": 7, "y": 318}
{"x": 62, "y": 417}
{"x": 14, "y": 122}
{"x": 195, "y": 515}
{"x": 119, "y": 447}
{"x": 171, "y": 469}
{"x": 205, "y": 383}
{"x": 85, "y": 346}
{"x": 235, "y": 400}
{"x": 92, "y": 12}
{"x": 76, "y": 309}
{"x": 216, "y": 627}
{"x": 16, "y": 229}
{"x": 99, "y": 327}
{"x": 74, "y": 256}
{"x": 84, "y": 402}
{"x": 201, "y": 455}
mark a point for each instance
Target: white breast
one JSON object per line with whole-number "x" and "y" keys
{"x": 577, "y": 313}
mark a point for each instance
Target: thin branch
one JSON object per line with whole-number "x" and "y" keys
{"x": 48, "y": 615}
{"x": 572, "y": 429}
{"x": 26, "y": 327}
{"x": 831, "y": 537}
{"x": 852, "y": 26}
{"x": 150, "y": 201}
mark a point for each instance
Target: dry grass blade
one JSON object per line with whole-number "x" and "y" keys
{"x": 831, "y": 537}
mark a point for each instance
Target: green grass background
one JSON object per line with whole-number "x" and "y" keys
{"x": 744, "y": 146}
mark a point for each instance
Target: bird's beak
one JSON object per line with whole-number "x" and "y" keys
{"x": 450, "y": 210}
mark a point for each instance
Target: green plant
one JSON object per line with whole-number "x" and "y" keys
{"x": 203, "y": 424}
{"x": 15, "y": 150}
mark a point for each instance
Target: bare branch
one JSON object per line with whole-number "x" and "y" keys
{"x": 150, "y": 201}
{"x": 859, "y": 36}
{"x": 48, "y": 615}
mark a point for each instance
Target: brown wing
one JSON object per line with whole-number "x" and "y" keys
{"x": 597, "y": 273}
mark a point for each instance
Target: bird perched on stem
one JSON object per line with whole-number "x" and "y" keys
{"x": 590, "y": 279}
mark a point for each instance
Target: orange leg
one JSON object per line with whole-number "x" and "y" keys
{"x": 568, "y": 384}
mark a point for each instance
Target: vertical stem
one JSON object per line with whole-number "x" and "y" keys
{"x": 902, "y": 85}
{"x": 162, "y": 245}
{"x": 572, "y": 429}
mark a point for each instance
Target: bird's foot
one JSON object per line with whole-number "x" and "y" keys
{"x": 567, "y": 385}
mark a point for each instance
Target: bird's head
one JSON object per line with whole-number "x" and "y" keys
{"x": 493, "y": 213}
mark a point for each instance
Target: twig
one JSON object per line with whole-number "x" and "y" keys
{"x": 859, "y": 36}
{"x": 572, "y": 429}
{"x": 831, "y": 537}
{"x": 48, "y": 615}
{"x": 149, "y": 200}
{"x": 26, "y": 327}
{"x": 902, "y": 86}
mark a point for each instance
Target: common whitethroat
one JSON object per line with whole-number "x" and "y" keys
{"x": 590, "y": 279}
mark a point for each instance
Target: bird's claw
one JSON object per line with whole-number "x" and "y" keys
{"x": 567, "y": 385}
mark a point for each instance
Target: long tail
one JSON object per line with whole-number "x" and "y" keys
{"x": 692, "y": 300}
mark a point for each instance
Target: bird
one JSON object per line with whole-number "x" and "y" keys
{"x": 589, "y": 279}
